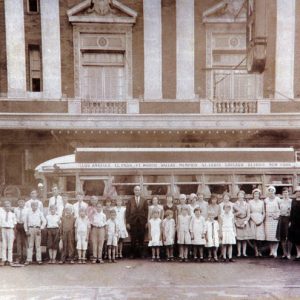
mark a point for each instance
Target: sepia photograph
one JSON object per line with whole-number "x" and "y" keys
{"x": 149, "y": 149}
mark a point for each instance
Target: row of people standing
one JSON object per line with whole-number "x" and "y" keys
{"x": 272, "y": 220}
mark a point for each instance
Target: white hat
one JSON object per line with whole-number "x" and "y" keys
{"x": 271, "y": 188}
{"x": 256, "y": 190}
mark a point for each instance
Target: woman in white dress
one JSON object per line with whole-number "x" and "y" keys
{"x": 228, "y": 231}
{"x": 271, "y": 221}
{"x": 257, "y": 217}
{"x": 242, "y": 216}
{"x": 225, "y": 201}
{"x": 193, "y": 203}
{"x": 123, "y": 234}
{"x": 155, "y": 205}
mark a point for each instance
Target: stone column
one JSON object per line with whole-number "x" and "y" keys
{"x": 152, "y": 49}
{"x": 285, "y": 49}
{"x": 15, "y": 48}
{"x": 51, "y": 56}
{"x": 185, "y": 46}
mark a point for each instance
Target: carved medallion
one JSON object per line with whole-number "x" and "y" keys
{"x": 100, "y": 7}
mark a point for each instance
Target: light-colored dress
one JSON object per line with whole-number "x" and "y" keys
{"x": 155, "y": 232}
{"x": 120, "y": 211}
{"x": 228, "y": 234}
{"x": 242, "y": 215}
{"x": 212, "y": 233}
{"x": 112, "y": 232}
{"x": 271, "y": 221}
{"x": 183, "y": 230}
{"x": 168, "y": 227}
{"x": 197, "y": 227}
{"x": 257, "y": 225}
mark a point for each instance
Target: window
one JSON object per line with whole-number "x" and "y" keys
{"x": 34, "y": 68}
{"x": 103, "y": 76}
{"x": 33, "y": 6}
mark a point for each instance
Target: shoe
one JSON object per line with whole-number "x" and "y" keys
{"x": 120, "y": 256}
{"x": 39, "y": 263}
{"x": 110, "y": 261}
{"x": 27, "y": 263}
{"x": 201, "y": 259}
{"x": 71, "y": 261}
{"x": 195, "y": 258}
{"x": 288, "y": 257}
{"x": 231, "y": 260}
{"x": 168, "y": 259}
{"x": 158, "y": 259}
{"x": 11, "y": 264}
{"x": 297, "y": 258}
{"x": 186, "y": 260}
{"x": 94, "y": 261}
{"x": 215, "y": 259}
{"x": 79, "y": 261}
{"x": 49, "y": 262}
{"x": 114, "y": 261}
{"x": 153, "y": 259}
{"x": 181, "y": 260}
{"x": 84, "y": 261}
{"x": 61, "y": 262}
{"x": 101, "y": 261}
{"x": 223, "y": 260}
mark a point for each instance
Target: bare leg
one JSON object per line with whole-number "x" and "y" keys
{"x": 201, "y": 252}
{"x": 275, "y": 248}
{"x": 153, "y": 253}
{"x": 157, "y": 253}
{"x": 244, "y": 243}
{"x": 239, "y": 248}
{"x": 289, "y": 249}
{"x": 298, "y": 251}
{"x": 181, "y": 251}
{"x": 54, "y": 253}
{"x": 215, "y": 250}
{"x": 168, "y": 252}
{"x": 121, "y": 249}
{"x": 114, "y": 252}
{"x": 224, "y": 248}
{"x": 195, "y": 251}
{"x": 229, "y": 251}
{"x": 185, "y": 252}
{"x": 255, "y": 248}
{"x": 171, "y": 252}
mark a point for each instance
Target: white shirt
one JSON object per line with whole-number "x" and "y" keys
{"x": 137, "y": 200}
{"x": 8, "y": 220}
{"x": 58, "y": 202}
{"x": 77, "y": 207}
{"x": 21, "y": 214}
{"x": 53, "y": 221}
{"x": 40, "y": 204}
{"x": 82, "y": 224}
{"x": 99, "y": 219}
{"x": 34, "y": 219}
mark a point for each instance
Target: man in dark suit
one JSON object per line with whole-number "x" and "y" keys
{"x": 136, "y": 219}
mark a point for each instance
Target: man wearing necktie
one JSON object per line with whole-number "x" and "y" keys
{"x": 56, "y": 200}
{"x": 136, "y": 219}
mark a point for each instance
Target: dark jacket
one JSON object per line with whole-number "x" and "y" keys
{"x": 136, "y": 213}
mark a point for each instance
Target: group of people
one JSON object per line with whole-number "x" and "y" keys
{"x": 193, "y": 227}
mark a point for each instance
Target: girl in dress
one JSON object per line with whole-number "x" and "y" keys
{"x": 113, "y": 232}
{"x": 168, "y": 231}
{"x": 212, "y": 232}
{"x": 182, "y": 204}
{"x": 241, "y": 212}
{"x": 283, "y": 223}
{"x": 193, "y": 203}
{"x": 213, "y": 206}
{"x": 271, "y": 221}
{"x": 202, "y": 204}
{"x": 155, "y": 234}
{"x": 294, "y": 230}
{"x": 183, "y": 233}
{"x": 197, "y": 228}
{"x": 123, "y": 234}
{"x": 155, "y": 205}
{"x": 257, "y": 216}
{"x": 228, "y": 232}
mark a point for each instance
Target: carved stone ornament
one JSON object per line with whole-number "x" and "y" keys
{"x": 234, "y": 6}
{"x": 100, "y": 7}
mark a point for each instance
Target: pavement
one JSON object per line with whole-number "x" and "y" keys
{"x": 143, "y": 279}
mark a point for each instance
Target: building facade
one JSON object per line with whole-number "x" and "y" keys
{"x": 144, "y": 73}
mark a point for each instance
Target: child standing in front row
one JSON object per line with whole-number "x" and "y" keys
{"x": 82, "y": 227}
{"x": 168, "y": 231}
{"x": 53, "y": 222}
{"x": 183, "y": 233}
{"x": 120, "y": 211}
{"x": 112, "y": 228}
{"x": 197, "y": 228}
{"x": 228, "y": 231}
{"x": 67, "y": 234}
{"x": 212, "y": 236}
{"x": 155, "y": 234}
